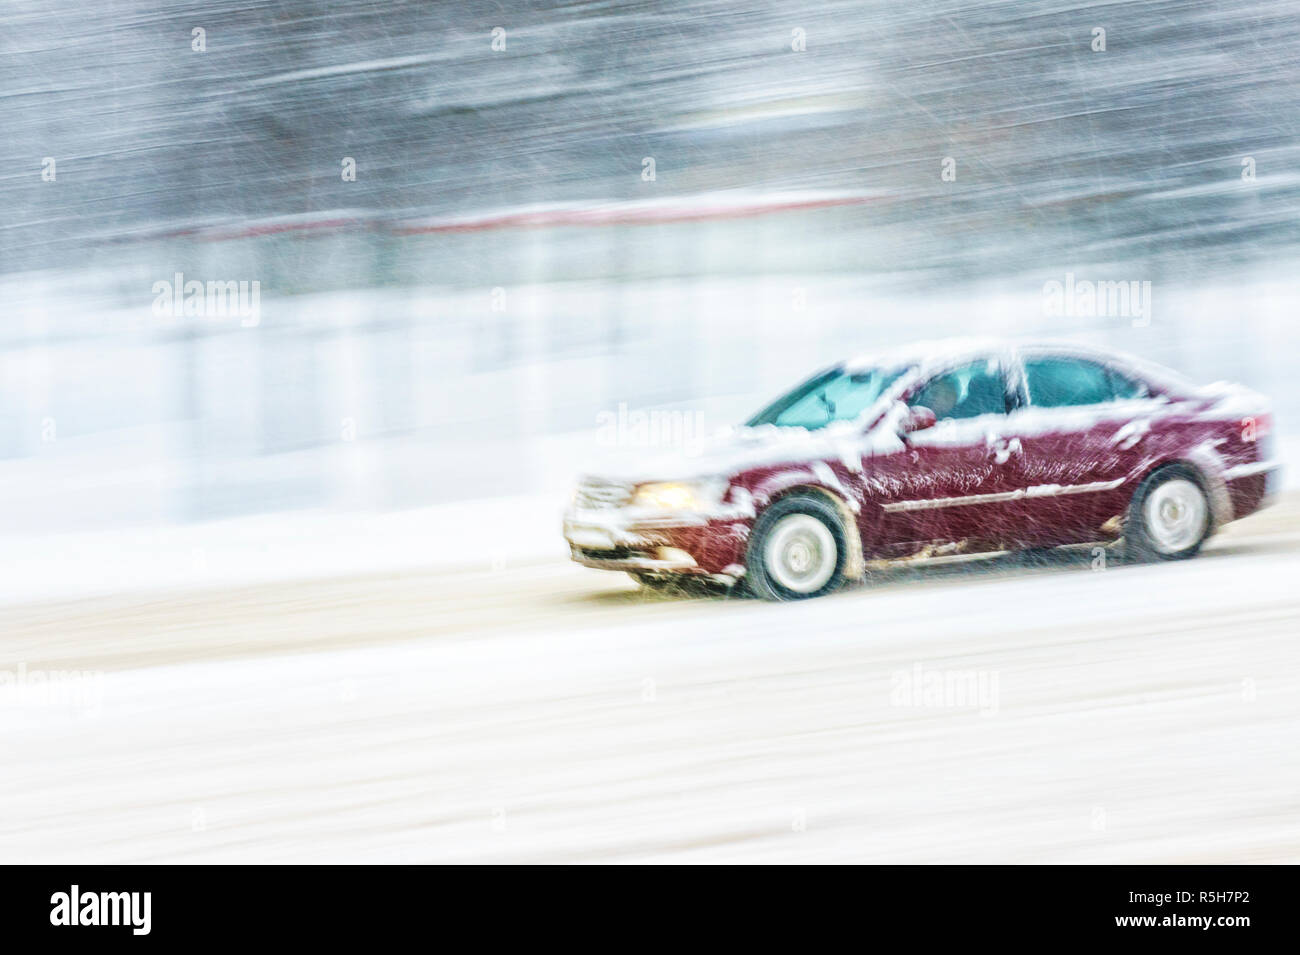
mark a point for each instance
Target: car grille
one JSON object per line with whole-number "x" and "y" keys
{"x": 618, "y": 553}
{"x": 602, "y": 494}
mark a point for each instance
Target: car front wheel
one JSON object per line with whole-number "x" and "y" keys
{"x": 1169, "y": 518}
{"x": 797, "y": 550}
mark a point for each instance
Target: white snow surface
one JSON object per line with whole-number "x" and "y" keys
{"x": 597, "y": 730}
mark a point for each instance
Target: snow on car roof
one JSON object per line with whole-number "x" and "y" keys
{"x": 930, "y": 354}
{"x": 926, "y": 353}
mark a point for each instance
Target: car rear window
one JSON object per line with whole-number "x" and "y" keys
{"x": 1068, "y": 382}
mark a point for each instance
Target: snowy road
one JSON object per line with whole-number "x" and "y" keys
{"x": 987, "y": 712}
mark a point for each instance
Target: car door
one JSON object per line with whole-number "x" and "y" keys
{"x": 1080, "y": 430}
{"x": 951, "y": 481}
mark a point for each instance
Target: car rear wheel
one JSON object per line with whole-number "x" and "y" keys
{"x": 797, "y": 550}
{"x": 1169, "y": 517}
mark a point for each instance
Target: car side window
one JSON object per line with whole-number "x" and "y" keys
{"x": 966, "y": 392}
{"x": 1067, "y": 382}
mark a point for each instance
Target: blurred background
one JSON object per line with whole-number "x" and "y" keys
{"x": 296, "y": 533}
{"x": 555, "y": 209}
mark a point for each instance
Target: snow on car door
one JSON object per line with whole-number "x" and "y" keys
{"x": 952, "y": 481}
{"x": 1080, "y": 438}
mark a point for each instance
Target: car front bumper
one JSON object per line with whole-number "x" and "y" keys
{"x": 637, "y": 539}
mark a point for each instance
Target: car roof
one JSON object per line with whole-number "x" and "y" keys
{"x": 926, "y": 353}
{"x": 934, "y": 355}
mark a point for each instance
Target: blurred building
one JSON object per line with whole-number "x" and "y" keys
{"x": 503, "y": 265}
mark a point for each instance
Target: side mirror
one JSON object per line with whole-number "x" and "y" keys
{"x": 918, "y": 418}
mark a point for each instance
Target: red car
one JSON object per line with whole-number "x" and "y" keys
{"x": 978, "y": 446}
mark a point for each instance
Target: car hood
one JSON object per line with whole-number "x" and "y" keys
{"x": 733, "y": 450}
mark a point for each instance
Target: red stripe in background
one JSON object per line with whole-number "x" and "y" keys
{"x": 608, "y": 215}
{"x": 623, "y": 215}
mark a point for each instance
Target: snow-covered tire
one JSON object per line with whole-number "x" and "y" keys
{"x": 1169, "y": 517}
{"x": 797, "y": 550}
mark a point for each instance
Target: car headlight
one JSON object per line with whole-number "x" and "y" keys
{"x": 680, "y": 495}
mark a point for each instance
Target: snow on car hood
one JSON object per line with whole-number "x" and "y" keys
{"x": 733, "y": 450}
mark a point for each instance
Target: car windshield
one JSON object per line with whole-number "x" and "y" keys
{"x": 835, "y": 395}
